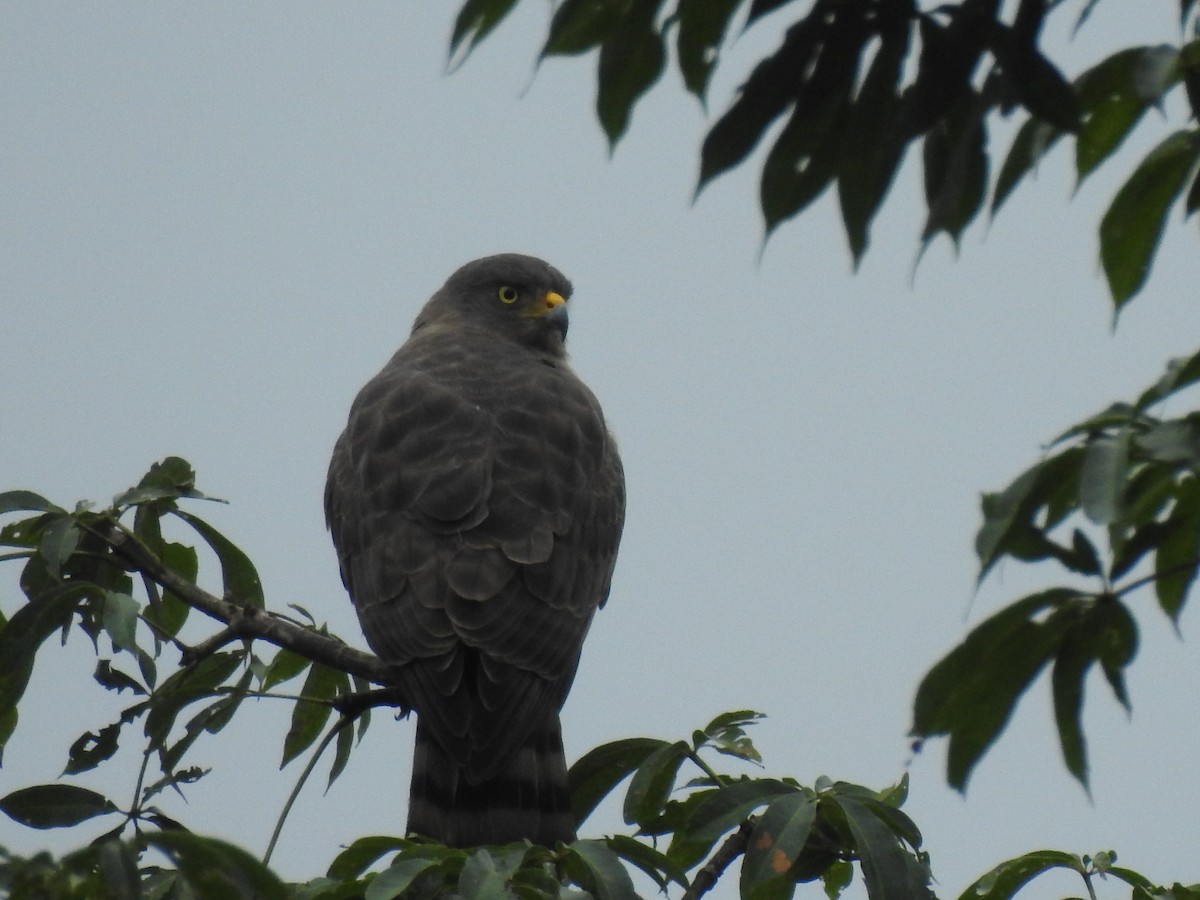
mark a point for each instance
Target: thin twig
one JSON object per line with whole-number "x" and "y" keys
{"x": 247, "y": 621}
{"x": 312, "y": 763}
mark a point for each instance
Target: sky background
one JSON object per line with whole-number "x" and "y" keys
{"x": 219, "y": 219}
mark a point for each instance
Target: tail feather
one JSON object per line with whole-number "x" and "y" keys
{"x": 527, "y": 798}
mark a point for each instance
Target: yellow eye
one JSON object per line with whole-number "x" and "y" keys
{"x": 507, "y": 295}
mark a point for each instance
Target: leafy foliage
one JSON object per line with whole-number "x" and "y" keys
{"x": 1116, "y": 504}
{"x": 854, "y": 83}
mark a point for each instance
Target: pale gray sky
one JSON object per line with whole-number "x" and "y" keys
{"x": 219, "y": 219}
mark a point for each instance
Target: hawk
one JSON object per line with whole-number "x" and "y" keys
{"x": 476, "y": 500}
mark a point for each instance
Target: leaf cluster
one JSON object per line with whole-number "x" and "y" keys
{"x": 76, "y": 577}
{"x": 1115, "y": 506}
{"x": 854, "y": 84}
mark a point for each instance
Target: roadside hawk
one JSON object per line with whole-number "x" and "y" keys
{"x": 476, "y": 500}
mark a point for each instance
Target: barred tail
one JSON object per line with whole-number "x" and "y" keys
{"x": 527, "y": 798}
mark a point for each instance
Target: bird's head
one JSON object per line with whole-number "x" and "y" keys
{"x": 518, "y": 297}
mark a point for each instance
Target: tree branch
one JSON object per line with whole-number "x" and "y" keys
{"x": 710, "y": 873}
{"x": 246, "y": 622}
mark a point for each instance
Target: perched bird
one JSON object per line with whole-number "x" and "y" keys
{"x": 476, "y": 500}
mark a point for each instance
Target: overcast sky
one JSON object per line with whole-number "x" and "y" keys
{"x": 218, "y": 220}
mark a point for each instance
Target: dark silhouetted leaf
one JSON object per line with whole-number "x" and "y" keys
{"x": 1132, "y": 226}
{"x": 873, "y": 144}
{"x": 597, "y": 772}
{"x": 24, "y": 633}
{"x": 702, "y": 27}
{"x": 1033, "y": 141}
{"x": 768, "y": 91}
{"x": 90, "y": 749}
{"x": 581, "y": 25}
{"x": 631, "y": 60}
{"x": 1037, "y": 83}
{"x": 1008, "y": 516}
{"x": 956, "y": 169}
{"x": 217, "y": 870}
{"x": 971, "y": 693}
{"x": 760, "y": 8}
{"x": 475, "y": 21}
{"x": 1178, "y": 552}
{"x": 55, "y": 805}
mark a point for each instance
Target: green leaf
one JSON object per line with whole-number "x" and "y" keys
{"x": 1103, "y": 476}
{"x": 216, "y": 870}
{"x": 55, "y": 805}
{"x": 721, "y": 812}
{"x": 345, "y": 744}
{"x": 242, "y": 584}
{"x": 118, "y": 866}
{"x": 397, "y": 878}
{"x": 593, "y": 777}
{"x": 778, "y": 838}
{"x": 1114, "y": 95}
{"x": 309, "y": 718}
{"x": 889, "y": 871}
{"x": 656, "y": 865}
{"x": 1033, "y": 141}
{"x": 13, "y": 501}
{"x": 1009, "y": 515}
{"x": 120, "y": 620}
{"x": 284, "y": 666}
{"x": 362, "y": 854}
{"x": 1132, "y": 227}
{"x": 475, "y": 21}
{"x": 482, "y": 879}
{"x": 727, "y": 735}
{"x": 971, "y": 693}
{"x": 631, "y": 59}
{"x": 184, "y": 687}
{"x": 1178, "y": 553}
{"x": 836, "y": 878}
{"x": 581, "y": 25}
{"x": 1182, "y": 372}
{"x": 598, "y": 870}
{"x": 1010, "y": 876}
{"x": 59, "y": 539}
{"x": 24, "y": 633}
{"x": 702, "y": 27}
{"x": 652, "y": 784}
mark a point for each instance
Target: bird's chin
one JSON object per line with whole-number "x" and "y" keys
{"x": 557, "y": 319}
